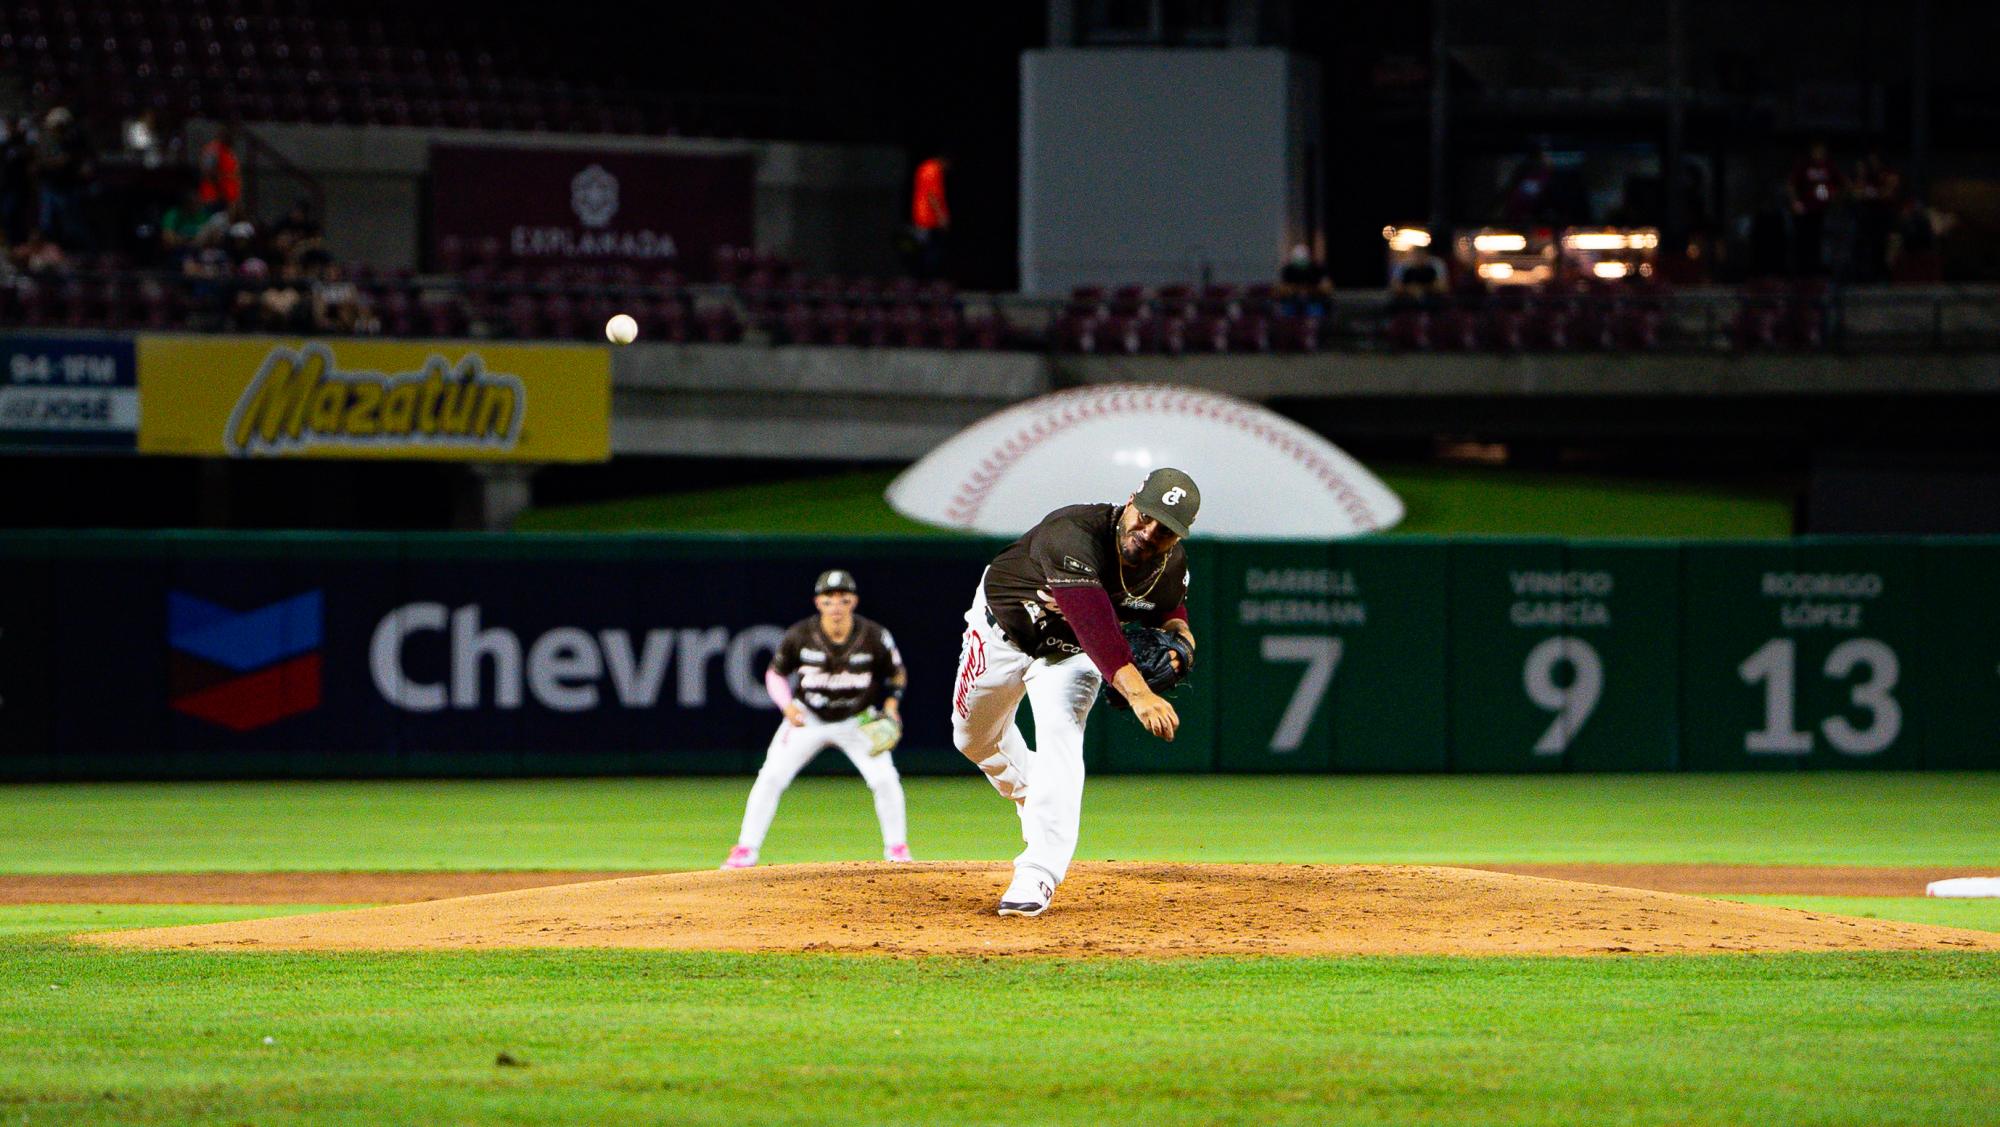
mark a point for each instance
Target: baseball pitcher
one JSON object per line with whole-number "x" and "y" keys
{"x": 1045, "y": 623}
{"x": 839, "y": 680}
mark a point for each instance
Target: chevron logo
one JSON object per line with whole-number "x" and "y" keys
{"x": 243, "y": 669}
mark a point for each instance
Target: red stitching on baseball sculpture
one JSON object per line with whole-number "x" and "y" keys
{"x": 1069, "y": 409}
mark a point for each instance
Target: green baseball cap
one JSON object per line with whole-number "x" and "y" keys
{"x": 1170, "y": 497}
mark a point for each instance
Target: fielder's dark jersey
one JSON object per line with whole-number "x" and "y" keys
{"x": 835, "y": 682}
{"x": 1076, "y": 546}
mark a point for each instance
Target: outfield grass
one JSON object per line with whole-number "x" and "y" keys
{"x": 1816, "y": 818}
{"x": 1979, "y": 915}
{"x": 624, "y": 1037}
{"x": 89, "y": 1035}
{"x": 1439, "y": 500}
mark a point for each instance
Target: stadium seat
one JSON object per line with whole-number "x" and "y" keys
{"x": 1208, "y": 333}
{"x": 1291, "y": 333}
{"x": 666, "y": 319}
{"x": 719, "y": 325}
{"x": 524, "y": 317}
{"x": 945, "y": 328}
{"x": 394, "y": 309}
{"x": 987, "y": 331}
{"x": 559, "y": 313}
{"x": 1250, "y": 332}
{"x": 835, "y": 324}
{"x": 794, "y": 324}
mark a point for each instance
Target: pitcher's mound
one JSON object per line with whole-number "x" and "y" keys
{"x": 1137, "y": 909}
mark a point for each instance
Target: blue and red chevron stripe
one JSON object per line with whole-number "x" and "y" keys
{"x": 244, "y": 669}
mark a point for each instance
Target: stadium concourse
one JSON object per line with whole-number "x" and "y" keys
{"x": 133, "y": 253}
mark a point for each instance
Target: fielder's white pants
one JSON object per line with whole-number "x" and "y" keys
{"x": 1045, "y": 782}
{"x": 794, "y": 747}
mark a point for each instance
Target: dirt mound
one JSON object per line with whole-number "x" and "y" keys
{"x": 1133, "y": 909}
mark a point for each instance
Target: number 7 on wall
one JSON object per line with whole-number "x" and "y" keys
{"x": 1321, "y": 655}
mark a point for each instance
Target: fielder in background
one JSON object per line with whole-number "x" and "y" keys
{"x": 1045, "y": 623}
{"x": 839, "y": 680}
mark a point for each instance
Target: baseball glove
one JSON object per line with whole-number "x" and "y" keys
{"x": 882, "y": 730}
{"x": 1162, "y": 657}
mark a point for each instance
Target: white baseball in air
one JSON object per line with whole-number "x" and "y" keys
{"x": 621, "y": 329}
{"x": 1261, "y": 475}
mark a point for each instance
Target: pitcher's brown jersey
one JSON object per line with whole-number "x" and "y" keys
{"x": 1076, "y": 546}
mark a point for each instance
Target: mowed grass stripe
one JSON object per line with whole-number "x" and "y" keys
{"x": 1824, "y": 818}
{"x": 1438, "y": 500}
{"x": 127, "y": 1037}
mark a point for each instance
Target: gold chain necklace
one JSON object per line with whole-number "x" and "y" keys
{"x": 1129, "y": 597}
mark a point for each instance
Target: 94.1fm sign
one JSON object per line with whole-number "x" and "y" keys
{"x": 66, "y": 394}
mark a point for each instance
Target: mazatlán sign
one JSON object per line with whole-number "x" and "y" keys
{"x": 247, "y": 397}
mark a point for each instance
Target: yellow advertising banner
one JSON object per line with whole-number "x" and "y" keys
{"x": 258, "y": 397}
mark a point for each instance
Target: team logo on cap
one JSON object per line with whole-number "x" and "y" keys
{"x": 1173, "y": 496}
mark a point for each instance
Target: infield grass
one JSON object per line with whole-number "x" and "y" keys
{"x": 1817, "y": 818}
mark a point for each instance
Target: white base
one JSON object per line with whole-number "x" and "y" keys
{"x": 1964, "y": 887}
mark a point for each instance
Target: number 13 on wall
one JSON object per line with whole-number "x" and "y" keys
{"x": 1775, "y": 666}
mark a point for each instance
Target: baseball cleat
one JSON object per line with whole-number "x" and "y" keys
{"x": 897, "y": 852}
{"x": 741, "y": 857}
{"x": 1027, "y": 896}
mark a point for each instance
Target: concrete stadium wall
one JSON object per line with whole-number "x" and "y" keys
{"x": 795, "y": 402}
{"x": 1148, "y": 166}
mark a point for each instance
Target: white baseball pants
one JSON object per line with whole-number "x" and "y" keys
{"x": 792, "y": 748}
{"x": 1045, "y": 782}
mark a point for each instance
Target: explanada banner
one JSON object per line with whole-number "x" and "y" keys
{"x": 592, "y": 207}
{"x": 271, "y": 397}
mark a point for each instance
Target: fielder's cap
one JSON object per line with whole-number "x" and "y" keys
{"x": 834, "y": 580}
{"x": 1170, "y": 497}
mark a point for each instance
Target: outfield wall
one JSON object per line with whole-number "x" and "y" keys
{"x": 203, "y": 655}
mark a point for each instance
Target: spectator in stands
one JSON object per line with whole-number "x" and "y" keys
{"x": 207, "y": 269}
{"x": 240, "y": 240}
{"x": 287, "y": 307}
{"x": 63, "y": 171}
{"x": 1877, "y": 188}
{"x": 1418, "y": 279}
{"x": 39, "y": 254}
{"x": 1304, "y": 287}
{"x": 297, "y": 233}
{"x": 181, "y": 226}
{"x": 251, "y": 283}
{"x": 221, "y": 184}
{"x": 1815, "y": 184}
{"x": 1913, "y": 242}
{"x": 1530, "y": 194}
{"x": 143, "y": 142}
{"x": 930, "y": 216}
{"x": 336, "y": 304}
{"x": 17, "y": 155}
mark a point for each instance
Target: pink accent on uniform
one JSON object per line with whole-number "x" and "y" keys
{"x": 897, "y": 852}
{"x": 1089, "y": 612}
{"x": 779, "y": 688}
{"x": 741, "y": 857}
{"x": 970, "y": 670}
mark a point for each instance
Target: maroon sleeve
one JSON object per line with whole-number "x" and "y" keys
{"x": 1179, "y": 612}
{"x": 1088, "y": 611}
